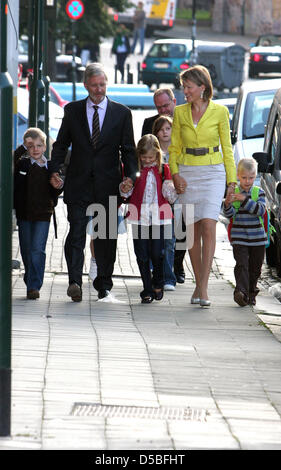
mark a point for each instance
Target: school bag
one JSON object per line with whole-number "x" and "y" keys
{"x": 265, "y": 220}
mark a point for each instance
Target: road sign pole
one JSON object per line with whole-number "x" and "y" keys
{"x": 6, "y": 145}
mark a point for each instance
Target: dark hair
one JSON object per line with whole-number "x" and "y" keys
{"x": 158, "y": 123}
{"x": 199, "y": 75}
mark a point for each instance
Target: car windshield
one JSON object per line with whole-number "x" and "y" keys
{"x": 175, "y": 51}
{"x": 269, "y": 40}
{"x": 256, "y": 112}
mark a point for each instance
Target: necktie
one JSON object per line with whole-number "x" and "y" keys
{"x": 95, "y": 127}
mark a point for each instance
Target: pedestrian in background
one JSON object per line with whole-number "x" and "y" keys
{"x": 162, "y": 129}
{"x": 248, "y": 237}
{"x": 149, "y": 212}
{"x": 34, "y": 202}
{"x": 139, "y": 27}
{"x": 200, "y": 170}
{"x": 121, "y": 47}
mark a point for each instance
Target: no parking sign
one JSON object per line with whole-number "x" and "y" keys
{"x": 74, "y": 9}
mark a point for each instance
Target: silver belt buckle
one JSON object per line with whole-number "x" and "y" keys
{"x": 198, "y": 152}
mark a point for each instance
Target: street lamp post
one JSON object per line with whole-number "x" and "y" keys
{"x": 193, "y": 58}
{"x": 6, "y": 145}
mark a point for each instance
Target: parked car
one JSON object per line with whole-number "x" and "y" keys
{"x": 164, "y": 60}
{"x": 56, "y": 98}
{"x": 63, "y": 63}
{"x": 230, "y": 104}
{"x": 250, "y": 116}
{"x": 168, "y": 57}
{"x": 133, "y": 96}
{"x": 269, "y": 164}
{"x": 265, "y": 55}
{"x": 55, "y": 116}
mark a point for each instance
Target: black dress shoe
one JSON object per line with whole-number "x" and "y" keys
{"x": 103, "y": 293}
{"x": 158, "y": 295}
{"x": 180, "y": 278}
{"x": 75, "y": 292}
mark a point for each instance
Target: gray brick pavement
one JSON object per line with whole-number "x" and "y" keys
{"x": 221, "y": 360}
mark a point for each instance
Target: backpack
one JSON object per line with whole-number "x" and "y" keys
{"x": 265, "y": 220}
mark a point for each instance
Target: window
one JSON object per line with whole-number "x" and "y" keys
{"x": 256, "y": 113}
{"x": 171, "y": 51}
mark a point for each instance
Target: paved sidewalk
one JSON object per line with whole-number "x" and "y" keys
{"x": 95, "y": 375}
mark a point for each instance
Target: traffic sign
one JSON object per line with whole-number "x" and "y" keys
{"x": 74, "y": 9}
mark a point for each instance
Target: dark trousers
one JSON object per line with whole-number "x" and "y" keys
{"x": 249, "y": 260}
{"x": 105, "y": 249}
{"x": 121, "y": 58}
{"x": 149, "y": 250}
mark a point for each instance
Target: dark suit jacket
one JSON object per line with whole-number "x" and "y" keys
{"x": 148, "y": 124}
{"x": 93, "y": 175}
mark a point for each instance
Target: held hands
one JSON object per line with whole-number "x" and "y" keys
{"x": 231, "y": 196}
{"x": 180, "y": 183}
{"x": 126, "y": 185}
{"x": 56, "y": 181}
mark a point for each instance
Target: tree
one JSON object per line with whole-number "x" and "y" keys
{"x": 94, "y": 24}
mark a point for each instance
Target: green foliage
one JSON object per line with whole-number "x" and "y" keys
{"x": 186, "y": 14}
{"x": 94, "y": 24}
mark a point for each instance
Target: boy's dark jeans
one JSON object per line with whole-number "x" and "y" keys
{"x": 149, "y": 246}
{"x": 249, "y": 260}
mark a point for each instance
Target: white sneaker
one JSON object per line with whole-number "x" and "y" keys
{"x": 169, "y": 287}
{"x": 93, "y": 269}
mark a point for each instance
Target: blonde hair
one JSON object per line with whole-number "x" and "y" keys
{"x": 35, "y": 133}
{"x": 247, "y": 164}
{"x": 146, "y": 144}
{"x": 199, "y": 75}
{"x": 159, "y": 122}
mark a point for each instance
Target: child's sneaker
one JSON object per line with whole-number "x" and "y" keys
{"x": 93, "y": 269}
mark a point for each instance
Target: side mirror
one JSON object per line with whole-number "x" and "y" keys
{"x": 278, "y": 188}
{"x": 263, "y": 160}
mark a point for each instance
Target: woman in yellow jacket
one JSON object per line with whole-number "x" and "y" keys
{"x": 200, "y": 170}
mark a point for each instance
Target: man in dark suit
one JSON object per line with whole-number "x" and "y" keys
{"x": 165, "y": 103}
{"x": 100, "y": 131}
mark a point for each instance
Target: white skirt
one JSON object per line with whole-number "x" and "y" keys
{"x": 205, "y": 190}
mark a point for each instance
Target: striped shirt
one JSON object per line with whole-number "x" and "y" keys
{"x": 247, "y": 228}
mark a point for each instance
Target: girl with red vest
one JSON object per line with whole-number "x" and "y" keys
{"x": 150, "y": 214}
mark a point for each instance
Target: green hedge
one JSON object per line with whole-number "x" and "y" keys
{"x": 186, "y": 14}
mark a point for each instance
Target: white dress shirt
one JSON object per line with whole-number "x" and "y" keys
{"x": 101, "y": 112}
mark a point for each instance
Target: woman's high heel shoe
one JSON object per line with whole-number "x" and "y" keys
{"x": 195, "y": 300}
{"x": 205, "y": 303}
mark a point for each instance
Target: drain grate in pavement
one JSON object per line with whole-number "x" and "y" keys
{"x": 119, "y": 411}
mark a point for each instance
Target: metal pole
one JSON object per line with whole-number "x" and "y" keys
{"x": 36, "y": 85}
{"x": 6, "y": 144}
{"x": 73, "y": 61}
{"x": 46, "y": 80}
{"x": 193, "y": 58}
{"x": 40, "y": 84}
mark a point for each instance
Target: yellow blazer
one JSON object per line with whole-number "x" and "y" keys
{"x": 212, "y": 130}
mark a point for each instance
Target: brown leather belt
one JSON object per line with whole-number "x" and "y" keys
{"x": 201, "y": 150}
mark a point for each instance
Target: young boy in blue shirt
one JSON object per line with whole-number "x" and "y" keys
{"x": 248, "y": 237}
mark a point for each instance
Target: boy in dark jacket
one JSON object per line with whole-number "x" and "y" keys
{"x": 34, "y": 202}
